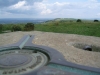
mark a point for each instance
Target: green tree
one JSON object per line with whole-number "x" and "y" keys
{"x": 78, "y": 20}
{"x": 1, "y": 27}
{"x": 96, "y": 20}
{"x": 29, "y": 27}
{"x": 16, "y": 28}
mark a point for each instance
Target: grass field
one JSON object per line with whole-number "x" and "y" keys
{"x": 81, "y": 28}
{"x": 87, "y": 28}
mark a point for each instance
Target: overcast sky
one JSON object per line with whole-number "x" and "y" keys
{"x": 49, "y": 8}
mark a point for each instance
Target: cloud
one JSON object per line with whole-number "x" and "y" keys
{"x": 42, "y": 8}
{"x": 98, "y": 14}
{"x": 45, "y": 8}
{"x": 6, "y": 3}
{"x": 18, "y": 5}
{"x": 92, "y": 4}
{"x": 93, "y": 1}
{"x": 39, "y": 6}
{"x": 75, "y": 9}
{"x": 21, "y": 7}
{"x": 46, "y": 12}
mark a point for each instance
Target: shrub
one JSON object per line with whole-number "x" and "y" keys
{"x": 96, "y": 21}
{"x": 78, "y": 20}
{"x": 15, "y": 28}
{"x": 29, "y": 27}
{"x": 56, "y": 23}
{"x": 71, "y": 21}
{"x": 1, "y": 27}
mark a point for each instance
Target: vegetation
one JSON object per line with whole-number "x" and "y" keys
{"x": 1, "y": 27}
{"x": 96, "y": 20}
{"x": 90, "y": 28}
{"x": 29, "y": 27}
{"x": 79, "y": 20}
{"x": 16, "y": 28}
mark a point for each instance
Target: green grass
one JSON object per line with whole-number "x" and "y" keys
{"x": 88, "y": 28}
{"x": 84, "y": 28}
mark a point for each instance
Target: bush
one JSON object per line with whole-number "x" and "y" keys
{"x": 1, "y": 27}
{"x": 96, "y": 21}
{"x": 15, "y": 28}
{"x": 79, "y": 20}
{"x": 29, "y": 27}
{"x": 56, "y": 23}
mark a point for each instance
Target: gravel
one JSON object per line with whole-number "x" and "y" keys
{"x": 61, "y": 42}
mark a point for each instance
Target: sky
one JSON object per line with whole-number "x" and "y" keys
{"x": 50, "y": 9}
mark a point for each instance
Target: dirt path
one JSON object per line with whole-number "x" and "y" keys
{"x": 61, "y": 42}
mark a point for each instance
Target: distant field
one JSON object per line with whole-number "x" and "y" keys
{"x": 70, "y": 27}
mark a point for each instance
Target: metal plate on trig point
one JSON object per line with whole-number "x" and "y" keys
{"x": 14, "y": 62}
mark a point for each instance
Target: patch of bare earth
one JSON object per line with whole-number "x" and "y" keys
{"x": 61, "y": 42}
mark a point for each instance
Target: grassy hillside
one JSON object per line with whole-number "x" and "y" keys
{"x": 84, "y": 28}
{"x": 69, "y": 26}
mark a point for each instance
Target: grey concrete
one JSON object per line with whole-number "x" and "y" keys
{"x": 53, "y": 55}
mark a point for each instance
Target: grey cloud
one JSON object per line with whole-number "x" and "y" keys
{"x": 23, "y": 12}
{"x": 32, "y": 1}
{"x": 6, "y": 3}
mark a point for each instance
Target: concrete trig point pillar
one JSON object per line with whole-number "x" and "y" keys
{"x": 26, "y": 58}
